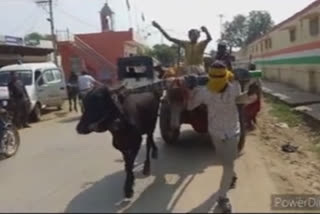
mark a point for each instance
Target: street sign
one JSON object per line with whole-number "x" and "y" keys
{"x": 11, "y": 40}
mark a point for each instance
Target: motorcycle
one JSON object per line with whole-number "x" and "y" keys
{"x": 9, "y": 135}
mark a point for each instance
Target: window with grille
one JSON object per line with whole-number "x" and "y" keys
{"x": 314, "y": 26}
{"x": 269, "y": 42}
{"x": 292, "y": 34}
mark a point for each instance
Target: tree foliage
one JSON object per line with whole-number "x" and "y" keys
{"x": 236, "y": 31}
{"x": 37, "y": 37}
{"x": 167, "y": 55}
{"x": 243, "y": 30}
{"x": 259, "y": 23}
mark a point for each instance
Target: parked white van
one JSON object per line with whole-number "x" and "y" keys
{"x": 45, "y": 84}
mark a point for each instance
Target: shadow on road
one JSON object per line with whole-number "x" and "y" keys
{"x": 70, "y": 120}
{"x": 191, "y": 156}
{"x": 50, "y": 110}
{"x": 52, "y": 113}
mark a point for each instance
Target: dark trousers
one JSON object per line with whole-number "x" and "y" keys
{"x": 73, "y": 94}
{"x": 82, "y": 95}
{"x": 20, "y": 110}
{"x": 2, "y": 128}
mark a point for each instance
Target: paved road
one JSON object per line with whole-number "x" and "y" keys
{"x": 57, "y": 170}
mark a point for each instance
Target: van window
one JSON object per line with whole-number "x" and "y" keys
{"x": 57, "y": 74}
{"x": 24, "y": 75}
{"x": 39, "y": 78}
{"x": 48, "y": 76}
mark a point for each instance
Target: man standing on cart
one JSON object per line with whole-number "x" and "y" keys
{"x": 193, "y": 65}
{"x": 223, "y": 55}
{"x": 194, "y": 50}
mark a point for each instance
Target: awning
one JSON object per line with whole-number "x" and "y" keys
{"x": 24, "y": 50}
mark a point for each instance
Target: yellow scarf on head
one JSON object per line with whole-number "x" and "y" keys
{"x": 218, "y": 79}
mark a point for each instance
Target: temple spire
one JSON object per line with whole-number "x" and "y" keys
{"x": 106, "y": 16}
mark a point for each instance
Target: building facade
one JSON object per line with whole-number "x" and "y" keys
{"x": 98, "y": 53}
{"x": 15, "y": 49}
{"x": 290, "y": 52}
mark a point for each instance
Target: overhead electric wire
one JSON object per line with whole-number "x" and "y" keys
{"x": 79, "y": 20}
{"x": 22, "y": 24}
{"x": 33, "y": 25}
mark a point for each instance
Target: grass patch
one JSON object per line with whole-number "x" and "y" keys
{"x": 286, "y": 114}
{"x": 283, "y": 112}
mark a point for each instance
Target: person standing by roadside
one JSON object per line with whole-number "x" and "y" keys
{"x": 19, "y": 100}
{"x": 86, "y": 83}
{"x": 73, "y": 91}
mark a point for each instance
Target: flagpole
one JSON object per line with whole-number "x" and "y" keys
{"x": 129, "y": 14}
{"x": 130, "y": 20}
{"x": 136, "y": 18}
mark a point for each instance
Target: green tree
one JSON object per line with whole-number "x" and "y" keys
{"x": 37, "y": 37}
{"x": 259, "y": 23}
{"x": 236, "y": 31}
{"x": 243, "y": 30}
{"x": 34, "y": 36}
{"x": 167, "y": 55}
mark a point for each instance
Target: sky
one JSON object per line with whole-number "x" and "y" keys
{"x": 20, "y": 17}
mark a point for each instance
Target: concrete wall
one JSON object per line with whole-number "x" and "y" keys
{"x": 302, "y": 77}
{"x": 296, "y": 63}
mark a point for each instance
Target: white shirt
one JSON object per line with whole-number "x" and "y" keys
{"x": 86, "y": 82}
{"x": 223, "y": 116}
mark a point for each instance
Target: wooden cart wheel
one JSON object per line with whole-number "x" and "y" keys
{"x": 168, "y": 135}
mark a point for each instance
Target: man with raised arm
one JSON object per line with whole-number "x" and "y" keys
{"x": 194, "y": 50}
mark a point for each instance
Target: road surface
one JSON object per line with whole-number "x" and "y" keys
{"x": 56, "y": 170}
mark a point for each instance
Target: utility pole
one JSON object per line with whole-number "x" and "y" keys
{"x": 221, "y": 16}
{"x": 68, "y": 34}
{"x": 52, "y": 27}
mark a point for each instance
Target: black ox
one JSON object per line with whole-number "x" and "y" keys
{"x": 128, "y": 120}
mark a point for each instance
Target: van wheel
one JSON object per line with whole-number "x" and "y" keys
{"x": 36, "y": 113}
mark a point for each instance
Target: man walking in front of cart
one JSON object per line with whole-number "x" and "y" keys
{"x": 221, "y": 96}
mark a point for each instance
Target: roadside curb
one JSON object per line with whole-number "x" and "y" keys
{"x": 306, "y": 103}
